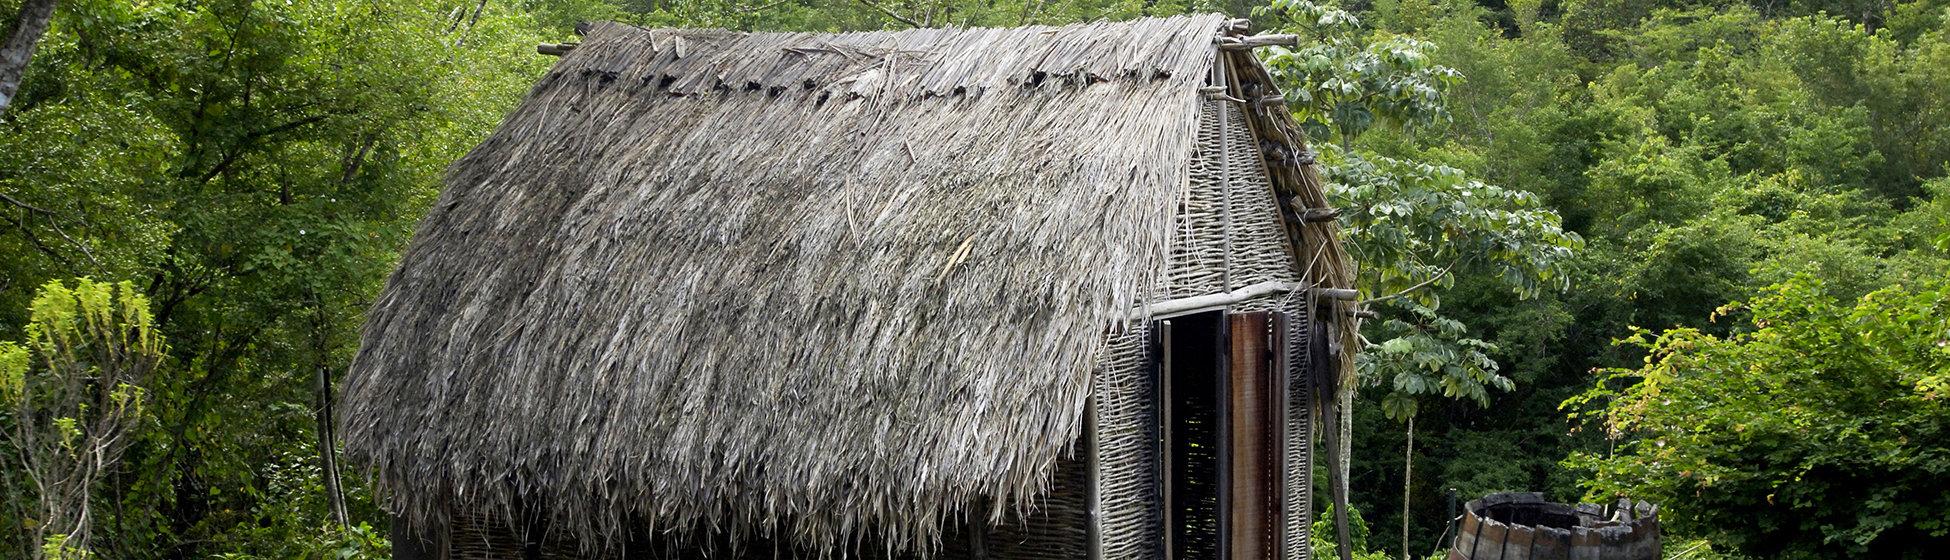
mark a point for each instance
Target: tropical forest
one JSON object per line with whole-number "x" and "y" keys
{"x": 1691, "y": 252}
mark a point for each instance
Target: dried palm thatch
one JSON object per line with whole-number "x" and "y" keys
{"x": 804, "y": 286}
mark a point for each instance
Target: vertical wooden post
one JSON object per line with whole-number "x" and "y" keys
{"x": 978, "y": 530}
{"x": 1279, "y": 386}
{"x": 1222, "y": 385}
{"x": 1165, "y": 446}
{"x": 1250, "y": 513}
{"x": 1094, "y": 533}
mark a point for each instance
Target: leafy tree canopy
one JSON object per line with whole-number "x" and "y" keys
{"x": 1819, "y": 434}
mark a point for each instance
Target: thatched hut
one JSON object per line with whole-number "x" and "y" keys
{"x": 1048, "y": 292}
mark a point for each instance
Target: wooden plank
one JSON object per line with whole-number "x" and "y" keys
{"x": 1517, "y": 542}
{"x": 1489, "y": 540}
{"x": 1222, "y": 385}
{"x": 1466, "y": 534}
{"x": 1586, "y": 544}
{"x": 1251, "y": 510}
{"x": 1255, "y": 41}
{"x": 1552, "y": 544}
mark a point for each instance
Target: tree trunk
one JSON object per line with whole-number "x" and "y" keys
{"x": 327, "y": 449}
{"x": 1408, "y": 469}
{"x": 25, "y": 32}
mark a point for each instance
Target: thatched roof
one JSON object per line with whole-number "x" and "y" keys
{"x": 803, "y": 284}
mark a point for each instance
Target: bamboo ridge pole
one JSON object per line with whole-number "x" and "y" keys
{"x": 1256, "y": 41}
{"x": 1181, "y": 305}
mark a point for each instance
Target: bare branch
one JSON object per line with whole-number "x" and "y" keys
{"x": 77, "y": 244}
{"x": 1029, "y": 9}
{"x": 52, "y": 216}
{"x": 892, "y": 14}
{"x": 36, "y": 241}
{"x": 470, "y": 23}
{"x": 231, "y": 156}
{"x": 1424, "y": 284}
{"x": 17, "y": 202}
{"x": 759, "y": 8}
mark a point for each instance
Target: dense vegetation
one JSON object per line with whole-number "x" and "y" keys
{"x": 1818, "y": 433}
{"x": 1753, "y": 195}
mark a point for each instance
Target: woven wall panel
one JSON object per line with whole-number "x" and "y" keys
{"x": 1058, "y": 529}
{"x": 1216, "y": 252}
{"x": 1299, "y": 431}
{"x": 1127, "y": 447}
{"x": 484, "y": 535}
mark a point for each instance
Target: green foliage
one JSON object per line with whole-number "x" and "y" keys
{"x": 92, "y": 329}
{"x": 1413, "y": 224}
{"x": 1338, "y": 87}
{"x": 1409, "y": 222}
{"x": 1702, "y": 151}
{"x": 76, "y": 396}
{"x": 1325, "y": 535}
{"x": 255, "y": 166}
{"x": 357, "y": 542}
{"x": 1820, "y": 434}
{"x": 1430, "y": 355}
{"x": 14, "y": 361}
{"x": 56, "y": 547}
{"x": 1682, "y": 548}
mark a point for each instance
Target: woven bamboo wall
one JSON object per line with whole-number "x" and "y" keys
{"x": 1299, "y": 431}
{"x": 1127, "y": 447}
{"x": 487, "y": 535}
{"x": 1058, "y": 528}
{"x": 1216, "y": 251}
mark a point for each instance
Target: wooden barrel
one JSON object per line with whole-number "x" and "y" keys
{"x": 1522, "y": 526}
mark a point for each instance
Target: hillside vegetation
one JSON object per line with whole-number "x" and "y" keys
{"x": 1688, "y": 251}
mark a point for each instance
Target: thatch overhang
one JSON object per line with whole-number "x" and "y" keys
{"x": 808, "y": 286}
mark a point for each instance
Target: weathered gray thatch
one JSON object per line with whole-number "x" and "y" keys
{"x": 802, "y": 285}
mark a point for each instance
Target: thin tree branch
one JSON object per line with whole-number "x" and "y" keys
{"x": 456, "y": 17}
{"x": 1029, "y": 9}
{"x": 231, "y": 157}
{"x": 476, "y": 18}
{"x": 759, "y": 8}
{"x": 1424, "y": 284}
{"x": 77, "y": 244}
{"x": 52, "y": 215}
{"x": 891, "y": 14}
{"x": 36, "y": 241}
{"x": 17, "y": 202}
